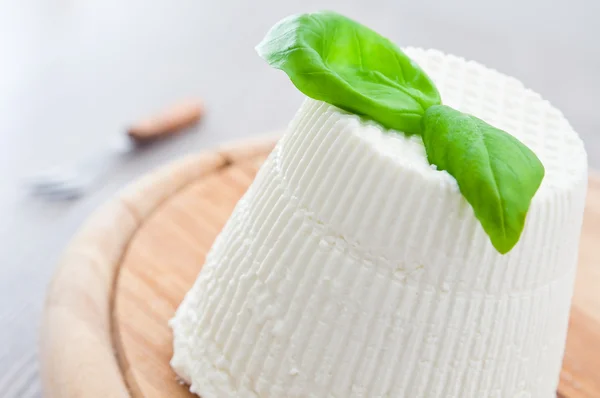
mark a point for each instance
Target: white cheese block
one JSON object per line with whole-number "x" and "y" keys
{"x": 352, "y": 268}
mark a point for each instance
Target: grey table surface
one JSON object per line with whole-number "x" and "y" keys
{"x": 73, "y": 72}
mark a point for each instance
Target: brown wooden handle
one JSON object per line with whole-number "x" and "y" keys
{"x": 171, "y": 120}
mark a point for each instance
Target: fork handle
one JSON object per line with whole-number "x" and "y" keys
{"x": 169, "y": 121}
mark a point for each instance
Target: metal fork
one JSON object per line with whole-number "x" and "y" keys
{"x": 71, "y": 182}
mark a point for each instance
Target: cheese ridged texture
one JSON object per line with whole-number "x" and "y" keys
{"x": 353, "y": 268}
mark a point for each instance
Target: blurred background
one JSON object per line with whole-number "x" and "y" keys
{"x": 75, "y": 72}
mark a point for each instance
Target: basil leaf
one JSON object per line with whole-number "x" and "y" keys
{"x": 496, "y": 173}
{"x": 334, "y": 59}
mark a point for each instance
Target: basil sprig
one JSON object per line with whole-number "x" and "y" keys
{"x": 334, "y": 59}
{"x": 496, "y": 173}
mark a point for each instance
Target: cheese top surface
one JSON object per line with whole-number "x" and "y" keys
{"x": 353, "y": 268}
{"x": 501, "y": 101}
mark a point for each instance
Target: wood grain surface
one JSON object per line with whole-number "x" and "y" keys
{"x": 105, "y": 331}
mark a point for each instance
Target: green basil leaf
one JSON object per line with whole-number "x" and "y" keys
{"x": 334, "y": 59}
{"x": 496, "y": 173}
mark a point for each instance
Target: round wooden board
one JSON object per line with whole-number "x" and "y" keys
{"x": 105, "y": 331}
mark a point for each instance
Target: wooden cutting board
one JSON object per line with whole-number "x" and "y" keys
{"x": 105, "y": 331}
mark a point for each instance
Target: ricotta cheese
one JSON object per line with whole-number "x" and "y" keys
{"x": 353, "y": 268}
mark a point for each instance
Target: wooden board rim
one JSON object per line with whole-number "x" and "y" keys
{"x": 80, "y": 294}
